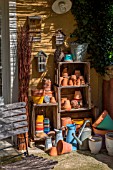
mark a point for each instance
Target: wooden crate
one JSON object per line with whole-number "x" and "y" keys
{"x": 68, "y": 92}
{"x": 84, "y": 68}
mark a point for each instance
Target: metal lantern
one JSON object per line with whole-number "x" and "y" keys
{"x": 42, "y": 61}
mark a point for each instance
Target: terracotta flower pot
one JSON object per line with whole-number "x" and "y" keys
{"x": 78, "y": 82}
{"x": 67, "y": 105}
{"x": 62, "y": 102}
{"x": 78, "y": 95}
{"x": 100, "y": 118}
{"x": 82, "y": 81}
{"x": 63, "y": 147}
{"x": 73, "y": 77}
{"x": 52, "y": 100}
{"x": 70, "y": 82}
{"x": 53, "y": 151}
{"x": 65, "y": 121}
{"x": 65, "y": 81}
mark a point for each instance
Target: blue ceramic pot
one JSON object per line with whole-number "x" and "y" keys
{"x": 68, "y": 57}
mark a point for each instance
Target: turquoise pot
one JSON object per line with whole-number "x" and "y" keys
{"x": 70, "y": 139}
{"x": 106, "y": 124}
{"x": 68, "y": 57}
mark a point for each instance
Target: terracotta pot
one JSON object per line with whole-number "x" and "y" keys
{"x": 78, "y": 82}
{"x": 65, "y": 70}
{"x": 73, "y": 77}
{"x": 77, "y": 73}
{"x": 70, "y": 82}
{"x": 67, "y": 105}
{"x": 100, "y": 132}
{"x": 65, "y": 121}
{"x": 53, "y": 151}
{"x": 74, "y": 82}
{"x": 63, "y": 147}
{"x": 65, "y": 81}
{"x": 61, "y": 78}
{"x": 82, "y": 81}
{"x": 64, "y": 74}
{"x": 62, "y": 102}
{"x": 52, "y": 100}
{"x": 100, "y": 118}
{"x": 78, "y": 95}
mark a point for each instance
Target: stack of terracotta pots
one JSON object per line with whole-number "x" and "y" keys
{"x": 74, "y": 80}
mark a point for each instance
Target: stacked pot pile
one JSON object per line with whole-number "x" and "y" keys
{"x": 74, "y": 80}
{"x": 43, "y": 95}
{"x": 75, "y": 103}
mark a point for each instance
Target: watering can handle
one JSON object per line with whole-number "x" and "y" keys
{"x": 87, "y": 121}
{"x": 78, "y": 140}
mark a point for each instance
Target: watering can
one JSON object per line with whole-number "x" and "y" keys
{"x": 48, "y": 143}
{"x": 84, "y": 134}
{"x": 58, "y": 135}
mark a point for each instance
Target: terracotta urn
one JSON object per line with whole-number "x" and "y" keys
{"x": 77, "y": 73}
{"x": 67, "y": 105}
{"x": 70, "y": 82}
{"x": 52, "y": 100}
{"x": 78, "y": 95}
{"x": 65, "y": 81}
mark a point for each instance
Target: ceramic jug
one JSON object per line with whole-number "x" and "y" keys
{"x": 70, "y": 139}
{"x": 58, "y": 135}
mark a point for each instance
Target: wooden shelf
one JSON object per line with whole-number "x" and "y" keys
{"x": 86, "y": 85}
{"x": 75, "y": 110}
{"x": 45, "y": 104}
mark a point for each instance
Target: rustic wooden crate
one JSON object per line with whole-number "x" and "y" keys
{"x": 84, "y": 68}
{"x": 68, "y": 92}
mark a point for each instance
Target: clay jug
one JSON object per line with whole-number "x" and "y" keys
{"x": 65, "y": 81}
{"x": 67, "y": 105}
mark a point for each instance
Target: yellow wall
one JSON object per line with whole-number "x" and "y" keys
{"x": 50, "y": 23}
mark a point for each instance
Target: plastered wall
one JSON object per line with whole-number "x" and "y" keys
{"x": 50, "y": 23}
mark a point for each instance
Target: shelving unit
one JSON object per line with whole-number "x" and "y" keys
{"x": 56, "y": 116}
{"x": 68, "y": 91}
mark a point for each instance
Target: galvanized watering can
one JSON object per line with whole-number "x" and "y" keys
{"x": 84, "y": 134}
{"x": 58, "y": 135}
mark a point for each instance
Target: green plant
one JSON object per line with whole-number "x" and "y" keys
{"x": 95, "y": 26}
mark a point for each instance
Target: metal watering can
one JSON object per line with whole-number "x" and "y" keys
{"x": 84, "y": 134}
{"x": 58, "y": 135}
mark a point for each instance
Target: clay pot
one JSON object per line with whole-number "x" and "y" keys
{"x": 65, "y": 81}
{"x": 53, "y": 151}
{"x": 82, "y": 81}
{"x": 65, "y": 121}
{"x": 52, "y": 100}
{"x": 74, "y": 82}
{"x": 100, "y": 118}
{"x": 76, "y": 103}
{"x": 95, "y": 144}
{"x": 77, "y": 73}
{"x": 73, "y": 77}
{"x": 67, "y": 105}
{"x": 78, "y": 83}
{"x": 78, "y": 95}
{"x": 64, "y": 74}
{"x": 63, "y": 147}
{"x": 70, "y": 82}
{"x": 62, "y": 102}
{"x": 61, "y": 78}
